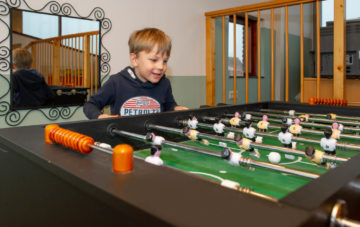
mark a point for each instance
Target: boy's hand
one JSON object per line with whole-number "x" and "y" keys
{"x": 180, "y": 108}
{"x": 102, "y": 116}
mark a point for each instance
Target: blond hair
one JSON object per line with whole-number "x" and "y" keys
{"x": 22, "y": 58}
{"x": 146, "y": 39}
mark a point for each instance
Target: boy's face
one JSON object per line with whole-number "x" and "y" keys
{"x": 149, "y": 66}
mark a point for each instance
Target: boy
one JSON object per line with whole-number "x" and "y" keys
{"x": 29, "y": 86}
{"x": 142, "y": 88}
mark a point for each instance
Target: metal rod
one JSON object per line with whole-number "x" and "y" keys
{"x": 169, "y": 143}
{"x": 311, "y": 114}
{"x": 248, "y": 161}
{"x": 300, "y": 139}
{"x": 243, "y": 161}
{"x": 276, "y": 148}
{"x": 315, "y": 132}
{"x": 308, "y": 124}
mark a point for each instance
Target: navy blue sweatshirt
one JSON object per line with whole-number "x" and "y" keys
{"x": 127, "y": 95}
{"x": 30, "y": 89}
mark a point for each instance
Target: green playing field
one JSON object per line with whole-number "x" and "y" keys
{"x": 268, "y": 182}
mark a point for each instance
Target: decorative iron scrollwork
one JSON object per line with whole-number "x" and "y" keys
{"x": 16, "y": 117}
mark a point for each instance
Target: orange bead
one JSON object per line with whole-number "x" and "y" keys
{"x": 311, "y": 101}
{"x": 123, "y": 158}
{"x": 48, "y": 131}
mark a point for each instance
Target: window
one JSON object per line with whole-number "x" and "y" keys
{"x": 45, "y": 26}
{"x": 240, "y": 46}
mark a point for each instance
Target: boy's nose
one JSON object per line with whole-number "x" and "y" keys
{"x": 160, "y": 65}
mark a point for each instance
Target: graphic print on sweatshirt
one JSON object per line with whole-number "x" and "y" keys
{"x": 139, "y": 105}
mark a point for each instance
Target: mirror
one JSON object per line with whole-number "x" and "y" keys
{"x": 65, "y": 54}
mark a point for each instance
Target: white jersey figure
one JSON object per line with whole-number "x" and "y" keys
{"x": 286, "y": 120}
{"x": 249, "y": 131}
{"x": 155, "y": 140}
{"x": 154, "y": 158}
{"x": 285, "y": 136}
{"x": 328, "y": 143}
{"x": 192, "y": 122}
{"x": 246, "y": 117}
{"x": 219, "y": 127}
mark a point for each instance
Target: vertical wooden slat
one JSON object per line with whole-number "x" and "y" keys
{"x": 223, "y": 60}
{"x": 90, "y": 64}
{"x": 318, "y": 49}
{"x": 286, "y": 54}
{"x": 259, "y": 54}
{"x": 45, "y": 61}
{"x": 75, "y": 62}
{"x": 72, "y": 62}
{"x": 79, "y": 64}
{"x": 68, "y": 70}
{"x": 56, "y": 63}
{"x": 246, "y": 59}
{"x": 210, "y": 61}
{"x": 63, "y": 67}
{"x": 96, "y": 64}
{"x": 302, "y": 52}
{"x": 234, "y": 63}
{"x": 339, "y": 49}
{"x": 86, "y": 61}
{"x": 41, "y": 58}
{"x": 272, "y": 54}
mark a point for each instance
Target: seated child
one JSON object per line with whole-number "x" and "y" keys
{"x": 30, "y": 88}
{"x": 141, "y": 88}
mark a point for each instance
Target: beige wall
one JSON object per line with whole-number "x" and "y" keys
{"x": 183, "y": 20}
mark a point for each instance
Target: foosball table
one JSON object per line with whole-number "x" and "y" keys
{"x": 182, "y": 172}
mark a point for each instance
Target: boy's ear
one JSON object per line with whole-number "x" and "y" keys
{"x": 133, "y": 59}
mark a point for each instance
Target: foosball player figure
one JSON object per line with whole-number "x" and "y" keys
{"x": 219, "y": 127}
{"x": 249, "y": 131}
{"x": 235, "y": 121}
{"x": 316, "y": 156}
{"x": 245, "y": 144}
{"x": 336, "y": 130}
{"x": 246, "y": 116}
{"x": 286, "y": 120}
{"x": 285, "y": 136}
{"x": 155, "y": 140}
{"x": 193, "y": 135}
{"x": 154, "y": 158}
{"x": 263, "y": 124}
{"x": 192, "y": 122}
{"x": 328, "y": 143}
{"x": 304, "y": 117}
{"x": 232, "y": 157}
{"x": 331, "y": 116}
{"x": 295, "y": 129}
